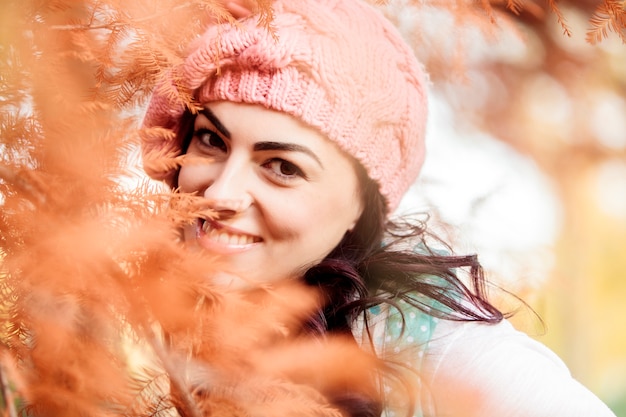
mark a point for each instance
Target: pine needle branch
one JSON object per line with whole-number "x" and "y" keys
{"x": 6, "y": 393}
{"x": 560, "y": 18}
{"x": 486, "y": 5}
{"x": 178, "y": 385}
{"x": 20, "y": 182}
{"x": 515, "y": 6}
{"x": 116, "y": 25}
{"x": 608, "y": 16}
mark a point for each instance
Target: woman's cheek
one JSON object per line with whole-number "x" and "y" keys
{"x": 190, "y": 178}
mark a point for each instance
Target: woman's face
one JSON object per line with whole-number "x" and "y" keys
{"x": 285, "y": 195}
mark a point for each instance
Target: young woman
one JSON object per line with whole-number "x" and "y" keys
{"x": 303, "y": 141}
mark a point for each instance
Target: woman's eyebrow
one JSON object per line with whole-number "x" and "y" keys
{"x": 215, "y": 121}
{"x": 283, "y": 146}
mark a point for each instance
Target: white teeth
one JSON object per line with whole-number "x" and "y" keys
{"x": 224, "y": 237}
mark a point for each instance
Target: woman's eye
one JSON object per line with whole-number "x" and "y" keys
{"x": 210, "y": 139}
{"x": 284, "y": 169}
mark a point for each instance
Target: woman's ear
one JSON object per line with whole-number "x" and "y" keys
{"x": 356, "y": 218}
{"x": 353, "y": 225}
{"x": 360, "y": 200}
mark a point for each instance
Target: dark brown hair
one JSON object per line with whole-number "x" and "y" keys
{"x": 383, "y": 261}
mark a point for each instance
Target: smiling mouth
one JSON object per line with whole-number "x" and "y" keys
{"x": 227, "y": 237}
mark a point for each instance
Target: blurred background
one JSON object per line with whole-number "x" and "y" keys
{"x": 526, "y": 166}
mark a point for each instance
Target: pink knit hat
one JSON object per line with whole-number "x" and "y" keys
{"x": 337, "y": 65}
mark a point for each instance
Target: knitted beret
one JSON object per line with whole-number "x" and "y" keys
{"x": 337, "y": 65}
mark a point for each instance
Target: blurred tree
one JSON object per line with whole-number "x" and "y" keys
{"x": 549, "y": 79}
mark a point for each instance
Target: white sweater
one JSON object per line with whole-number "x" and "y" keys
{"x": 475, "y": 369}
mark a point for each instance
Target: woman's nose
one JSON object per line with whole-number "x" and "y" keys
{"x": 228, "y": 189}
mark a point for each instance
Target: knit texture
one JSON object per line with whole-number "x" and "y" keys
{"x": 337, "y": 65}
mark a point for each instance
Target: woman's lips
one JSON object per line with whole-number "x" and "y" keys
{"x": 222, "y": 239}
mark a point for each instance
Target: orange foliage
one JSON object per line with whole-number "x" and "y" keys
{"x": 91, "y": 271}
{"x": 609, "y": 16}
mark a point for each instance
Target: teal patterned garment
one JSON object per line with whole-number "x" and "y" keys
{"x": 418, "y": 326}
{"x": 414, "y": 338}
